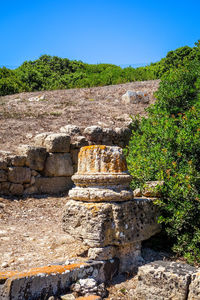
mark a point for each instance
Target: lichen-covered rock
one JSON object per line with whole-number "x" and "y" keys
{"x": 3, "y": 176}
{"x": 35, "y": 156}
{"x": 52, "y": 185}
{"x": 194, "y": 289}
{"x": 58, "y": 164}
{"x": 101, "y": 159}
{"x": 105, "y": 224}
{"x": 19, "y": 175}
{"x": 162, "y": 280}
{"x": 57, "y": 142}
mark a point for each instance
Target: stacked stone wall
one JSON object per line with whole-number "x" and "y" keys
{"x": 47, "y": 165}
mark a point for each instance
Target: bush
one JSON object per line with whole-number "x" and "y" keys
{"x": 166, "y": 146}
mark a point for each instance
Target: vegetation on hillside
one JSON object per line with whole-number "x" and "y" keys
{"x": 52, "y": 72}
{"x": 166, "y": 146}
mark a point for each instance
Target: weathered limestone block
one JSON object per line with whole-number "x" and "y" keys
{"x": 31, "y": 190}
{"x": 93, "y": 134}
{"x": 135, "y": 97}
{"x": 58, "y": 164}
{"x": 40, "y": 138}
{"x": 194, "y": 290}
{"x": 3, "y": 176}
{"x": 162, "y": 280}
{"x": 35, "y": 156}
{"x": 16, "y": 189}
{"x": 104, "y": 224}
{"x": 19, "y": 175}
{"x": 52, "y": 185}
{"x": 57, "y": 142}
{"x": 78, "y": 142}
{"x": 18, "y": 160}
{"x": 71, "y": 130}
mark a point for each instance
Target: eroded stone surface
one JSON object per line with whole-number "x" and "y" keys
{"x": 58, "y": 164}
{"x": 35, "y": 156}
{"x": 194, "y": 290}
{"x": 51, "y": 185}
{"x": 162, "y": 280}
{"x": 104, "y": 224}
{"x": 19, "y": 175}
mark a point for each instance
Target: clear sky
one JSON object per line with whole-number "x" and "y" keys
{"x": 111, "y": 31}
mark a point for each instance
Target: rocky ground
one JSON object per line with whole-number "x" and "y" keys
{"x": 22, "y": 117}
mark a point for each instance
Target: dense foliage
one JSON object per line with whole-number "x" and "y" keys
{"x": 166, "y": 146}
{"x": 52, "y": 72}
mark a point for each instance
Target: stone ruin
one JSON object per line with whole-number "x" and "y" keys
{"x": 102, "y": 212}
{"x": 46, "y": 166}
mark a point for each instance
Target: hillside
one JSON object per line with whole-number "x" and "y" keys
{"x": 21, "y": 119}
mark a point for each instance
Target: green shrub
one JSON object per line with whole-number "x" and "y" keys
{"x": 166, "y": 146}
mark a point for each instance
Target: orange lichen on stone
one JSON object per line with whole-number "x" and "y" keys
{"x": 91, "y": 297}
{"x": 101, "y": 159}
{"x": 46, "y": 270}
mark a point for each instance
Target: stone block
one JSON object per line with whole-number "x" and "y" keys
{"x": 4, "y": 188}
{"x": 78, "y": 142}
{"x": 135, "y": 97}
{"x": 163, "y": 280}
{"x": 19, "y": 175}
{"x": 40, "y": 138}
{"x": 104, "y": 253}
{"x": 74, "y": 154}
{"x": 16, "y": 189}
{"x": 35, "y": 156}
{"x": 93, "y": 134}
{"x": 31, "y": 190}
{"x": 18, "y": 160}
{"x": 194, "y": 289}
{"x": 52, "y": 185}
{"x": 3, "y": 176}
{"x": 47, "y": 281}
{"x": 70, "y": 130}
{"x": 58, "y": 164}
{"x": 105, "y": 224}
{"x": 57, "y": 142}
{"x": 3, "y": 164}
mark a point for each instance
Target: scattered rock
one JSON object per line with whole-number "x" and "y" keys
{"x": 71, "y": 130}
{"x": 89, "y": 286}
{"x": 135, "y": 97}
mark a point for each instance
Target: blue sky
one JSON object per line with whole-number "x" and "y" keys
{"x": 114, "y": 31}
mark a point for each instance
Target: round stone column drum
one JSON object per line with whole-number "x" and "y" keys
{"x": 102, "y": 175}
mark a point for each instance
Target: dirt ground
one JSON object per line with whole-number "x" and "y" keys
{"x": 21, "y": 119}
{"x": 31, "y": 233}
